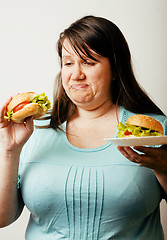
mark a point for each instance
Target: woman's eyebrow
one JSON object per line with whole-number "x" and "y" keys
{"x": 66, "y": 56}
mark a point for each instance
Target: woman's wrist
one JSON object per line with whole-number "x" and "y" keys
{"x": 10, "y": 155}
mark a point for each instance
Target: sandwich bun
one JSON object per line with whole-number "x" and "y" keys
{"x": 140, "y": 126}
{"x": 22, "y": 106}
{"x": 20, "y": 98}
{"x": 146, "y": 122}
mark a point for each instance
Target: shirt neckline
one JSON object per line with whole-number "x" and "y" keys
{"x": 100, "y": 148}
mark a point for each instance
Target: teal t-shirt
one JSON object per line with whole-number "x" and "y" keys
{"x": 87, "y": 194}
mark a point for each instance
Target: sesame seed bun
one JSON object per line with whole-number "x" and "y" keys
{"x": 146, "y": 122}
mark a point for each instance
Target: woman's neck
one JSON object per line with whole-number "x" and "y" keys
{"x": 99, "y": 112}
{"x": 87, "y": 129}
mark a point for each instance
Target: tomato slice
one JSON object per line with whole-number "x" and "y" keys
{"x": 127, "y": 133}
{"x": 20, "y": 106}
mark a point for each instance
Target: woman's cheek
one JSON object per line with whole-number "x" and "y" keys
{"x": 64, "y": 80}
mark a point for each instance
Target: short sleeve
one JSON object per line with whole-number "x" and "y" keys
{"x": 163, "y": 121}
{"x": 165, "y": 126}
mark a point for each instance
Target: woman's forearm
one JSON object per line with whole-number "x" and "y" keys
{"x": 9, "y": 194}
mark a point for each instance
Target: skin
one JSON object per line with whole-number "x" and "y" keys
{"x": 85, "y": 82}
{"x": 12, "y": 136}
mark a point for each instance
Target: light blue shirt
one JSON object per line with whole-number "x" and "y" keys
{"x": 88, "y": 194}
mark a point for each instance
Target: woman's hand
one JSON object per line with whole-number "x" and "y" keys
{"x": 154, "y": 158}
{"x": 13, "y": 135}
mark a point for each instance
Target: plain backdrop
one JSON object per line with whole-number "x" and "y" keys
{"x": 29, "y": 30}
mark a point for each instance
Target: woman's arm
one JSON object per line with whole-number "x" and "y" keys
{"x": 12, "y": 138}
{"x": 153, "y": 158}
{"x": 10, "y": 206}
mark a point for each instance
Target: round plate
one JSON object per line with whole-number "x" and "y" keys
{"x": 138, "y": 141}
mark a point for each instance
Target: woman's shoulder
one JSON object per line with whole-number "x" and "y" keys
{"x": 126, "y": 113}
{"x": 42, "y": 136}
{"x": 44, "y": 132}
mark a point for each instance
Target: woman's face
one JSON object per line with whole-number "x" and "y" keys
{"x": 86, "y": 82}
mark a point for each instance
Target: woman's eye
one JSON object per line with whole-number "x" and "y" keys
{"x": 89, "y": 63}
{"x": 67, "y": 64}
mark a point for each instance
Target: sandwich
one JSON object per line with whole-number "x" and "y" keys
{"x": 27, "y": 104}
{"x": 140, "y": 126}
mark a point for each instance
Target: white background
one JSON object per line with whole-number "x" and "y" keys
{"x": 29, "y": 30}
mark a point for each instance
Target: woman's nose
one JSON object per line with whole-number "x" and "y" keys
{"x": 77, "y": 73}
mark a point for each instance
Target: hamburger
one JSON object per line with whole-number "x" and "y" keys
{"x": 27, "y": 104}
{"x": 140, "y": 126}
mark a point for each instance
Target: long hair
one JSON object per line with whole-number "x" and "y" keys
{"x": 104, "y": 38}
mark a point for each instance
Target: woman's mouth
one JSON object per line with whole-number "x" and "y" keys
{"x": 79, "y": 86}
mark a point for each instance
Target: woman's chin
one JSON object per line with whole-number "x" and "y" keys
{"x": 80, "y": 98}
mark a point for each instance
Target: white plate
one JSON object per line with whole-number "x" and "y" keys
{"x": 138, "y": 141}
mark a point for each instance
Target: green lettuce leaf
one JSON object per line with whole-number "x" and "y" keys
{"x": 9, "y": 115}
{"x": 42, "y": 100}
{"x": 135, "y": 130}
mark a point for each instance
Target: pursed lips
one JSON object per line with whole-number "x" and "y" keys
{"x": 79, "y": 86}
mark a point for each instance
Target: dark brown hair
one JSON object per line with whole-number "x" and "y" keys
{"x": 104, "y": 38}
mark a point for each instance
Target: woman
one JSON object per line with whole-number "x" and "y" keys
{"x": 76, "y": 185}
